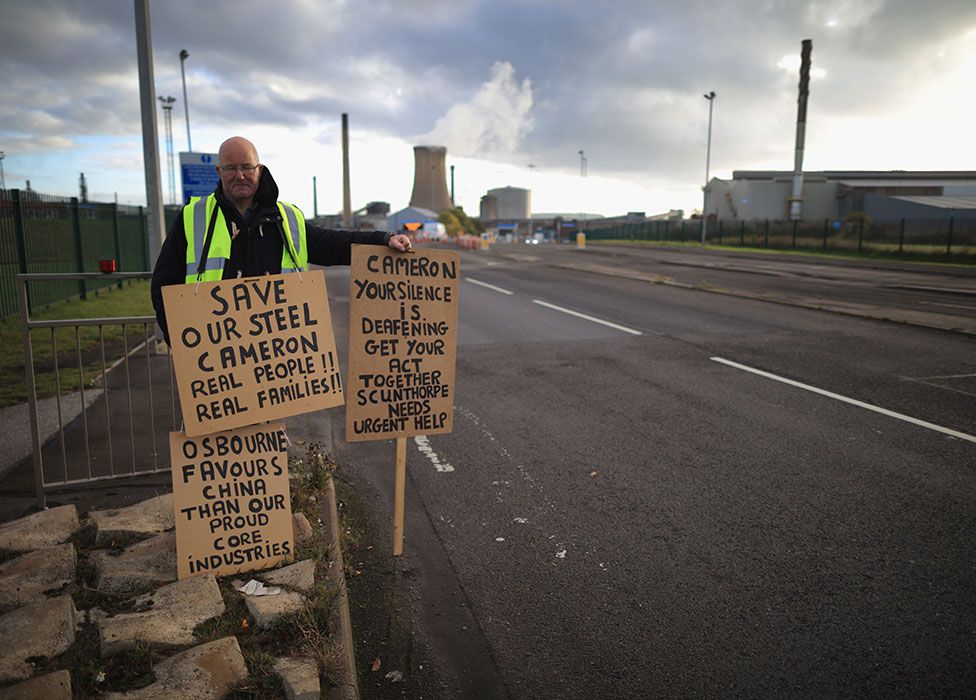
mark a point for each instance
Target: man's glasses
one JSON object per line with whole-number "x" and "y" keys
{"x": 245, "y": 169}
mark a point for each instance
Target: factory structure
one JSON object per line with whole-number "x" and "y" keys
{"x": 753, "y": 195}
{"x": 756, "y": 195}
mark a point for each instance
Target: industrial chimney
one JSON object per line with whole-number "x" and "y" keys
{"x": 796, "y": 200}
{"x": 430, "y": 179}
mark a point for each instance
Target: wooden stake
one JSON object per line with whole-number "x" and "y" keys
{"x": 398, "y": 497}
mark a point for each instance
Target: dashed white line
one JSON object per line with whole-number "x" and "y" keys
{"x": 588, "y": 318}
{"x": 489, "y": 286}
{"x": 423, "y": 444}
{"x": 845, "y": 399}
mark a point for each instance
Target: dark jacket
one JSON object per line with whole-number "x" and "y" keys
{"x": 257, "y": 248}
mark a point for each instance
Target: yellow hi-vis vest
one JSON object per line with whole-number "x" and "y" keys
{"x": 196, "y": 221}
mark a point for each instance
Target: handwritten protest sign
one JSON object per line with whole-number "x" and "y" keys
{"x": 402, "y": 343}
{"x": 252, "y": 350}
{"x": 231, "y": 497}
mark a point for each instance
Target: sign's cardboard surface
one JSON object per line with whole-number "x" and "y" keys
{"x": 402, "y": 343}
{"x": 232, "y": 501}
{"x": 252, "y": 350}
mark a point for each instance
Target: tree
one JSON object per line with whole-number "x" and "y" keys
{"x": 454, "y": 227}
{"x": 466, "y": 225}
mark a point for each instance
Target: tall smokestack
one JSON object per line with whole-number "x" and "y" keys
{"x": 430, "y": 179}
{"x": 796, "y": 199}
{"x": 346, "y": 195}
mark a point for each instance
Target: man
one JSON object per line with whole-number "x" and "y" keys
{"x": 242, "y": 230}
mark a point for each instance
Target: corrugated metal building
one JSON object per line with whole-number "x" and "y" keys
{"x": 764, "y": 194}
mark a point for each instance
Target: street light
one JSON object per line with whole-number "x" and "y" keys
{"x": 710, "y": 96}
{"x": 167, "y": 103}
{"x": 184, "y": 54}
{"x": 3, "y": 180}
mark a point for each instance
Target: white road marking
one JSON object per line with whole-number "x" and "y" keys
{"x": 489, "y": 286}
{"x": 952, "y": 306}
{"x": 946, "y": 376}
{"x": 941, "y": 386}
{"x": 423, "y": 444}
{"x": 845, "y": 399}
{"x": 584, "y": 316}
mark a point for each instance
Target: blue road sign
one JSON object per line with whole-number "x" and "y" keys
{"x": 199, "y": 174}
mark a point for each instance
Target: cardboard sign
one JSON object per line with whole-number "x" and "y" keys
{"x": 232, "y": 502}
{"x": 402, "y": 343}
{"x": 252, "y": 350}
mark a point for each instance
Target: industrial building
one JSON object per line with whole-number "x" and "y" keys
{"x": 507, "y": 204}
{"x": 831, "y": 195}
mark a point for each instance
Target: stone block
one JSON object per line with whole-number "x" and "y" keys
{"x": 298, "y": 577}
{"x": 301, "y": 528}
{"x": 205, "y": 672}
{"x": 266, "y": 609}
{"x": 42, "y": 529}
{"x": 300, "y": 677}
{"x": 166, "y": 616}
{"x": 147, "y": 517}
{"x": 53, "y": 686}
{"x": 24, "y": 579}
{"x": 45, "y": 628}
{"x": 138, "y": 568}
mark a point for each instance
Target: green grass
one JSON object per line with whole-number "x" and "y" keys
{"x": 962, "y": 256}
{"x": 131, "y": 300}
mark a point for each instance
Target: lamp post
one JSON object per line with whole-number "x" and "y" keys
{"x": 184, "y": 54}
{"x": 3, "y": 180}
{"x": 167, "y": 103}
{"x": 710, "y": 96}
{"x": 581, "y": 228}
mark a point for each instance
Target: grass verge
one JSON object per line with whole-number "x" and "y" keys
{"x": 131, "y": 300}
{"x": 925, "y": 254}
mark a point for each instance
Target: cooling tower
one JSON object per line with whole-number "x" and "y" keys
{"x": 430, "y": 179}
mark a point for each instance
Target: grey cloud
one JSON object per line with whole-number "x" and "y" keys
{"x": 623, "y": 80}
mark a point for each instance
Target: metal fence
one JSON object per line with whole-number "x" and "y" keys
{"x": 116, "y": 424}
{"x": 955, "y": 240}
{"x": 46, "y": 234}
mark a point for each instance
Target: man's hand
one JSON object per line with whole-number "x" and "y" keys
{"x": 400, "y": 242}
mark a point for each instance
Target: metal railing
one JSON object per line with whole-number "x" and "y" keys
{"x": 949, "y": 238}
{"x": 89, "y": 444}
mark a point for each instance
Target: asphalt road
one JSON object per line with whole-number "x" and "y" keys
{"x": 634, "y": 511}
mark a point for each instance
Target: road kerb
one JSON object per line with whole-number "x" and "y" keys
{"x": 347, "y": 685}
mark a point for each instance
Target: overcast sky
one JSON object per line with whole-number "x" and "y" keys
{"x": 513, "y": 88}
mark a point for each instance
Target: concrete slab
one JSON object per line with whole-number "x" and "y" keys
{"x": 42, "y": 529}
{"x": 147, "y": 517}
{"x": 166, "y": 616}
{"x": 205, "y": 672}
{"x": 267, "y": 608}
{"x": 138, "y": 568}
{"x": 23, "y": 580}
{"x": 300, "y": 676}
{"x": 297, "y": 577}
{"x": 53, "y": 686}
{"x": 46, "y": 628}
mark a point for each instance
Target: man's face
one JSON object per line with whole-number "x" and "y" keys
{"x": 239, "y": 172}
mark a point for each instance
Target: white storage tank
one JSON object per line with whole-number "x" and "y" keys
{"x": 513, "y": 203}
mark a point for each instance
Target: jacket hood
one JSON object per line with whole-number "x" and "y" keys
{"x": 266, "y": 194}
